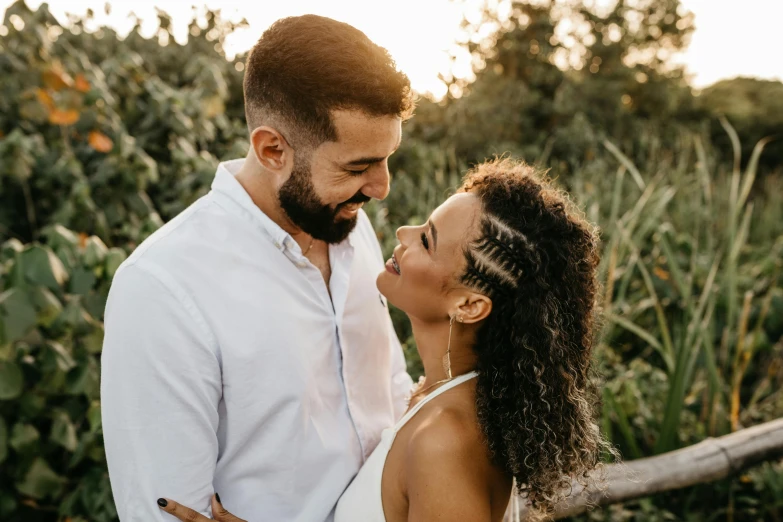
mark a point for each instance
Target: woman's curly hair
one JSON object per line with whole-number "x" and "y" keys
{"x": 536, "y": 258}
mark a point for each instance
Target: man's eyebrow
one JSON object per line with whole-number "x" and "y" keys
{"x": 364, "y": 161}
{"x": 372, "y": 159}
{"x": 434, "y": 233}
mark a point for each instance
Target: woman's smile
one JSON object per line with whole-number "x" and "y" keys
{"x": 392, "y": 266}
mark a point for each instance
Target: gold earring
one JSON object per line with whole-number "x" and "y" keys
{"x": 447, "y": 357}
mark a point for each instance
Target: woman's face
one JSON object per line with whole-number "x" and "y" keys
{"x": 421, "y": 277}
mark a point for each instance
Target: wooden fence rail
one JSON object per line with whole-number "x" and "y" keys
{"x": 709, "y": 460}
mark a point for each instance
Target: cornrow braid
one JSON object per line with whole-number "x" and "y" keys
{"x": 495, "y": 260}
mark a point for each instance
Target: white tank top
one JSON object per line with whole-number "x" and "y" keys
{"x": 361, "y": 502}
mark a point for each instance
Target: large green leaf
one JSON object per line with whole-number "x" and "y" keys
{"x": 47, "y": 305}
{"x": 63, "y": 431}
{"x": 114, "y": 259}
{"x": 93, "y": 342}
{"x": 23, "y": 436}
{"x": 17, "y": 313}
{"x": 40, "y": 481}
{"x": 11, "y": 247}
{"x": 94, "y": 251}
{"x": 84, "y": 379}
{"x": 75, "y": 316}
{"x": 11, "y": 380}
{"x": 42, "y": 267}
{"x": 82, "y": 281}
{"x": 63, "y": 356}
{"x": 94, "y": 416}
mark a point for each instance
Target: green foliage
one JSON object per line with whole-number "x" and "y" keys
{"x": 102, "y": 139}
{"x": 755, "y": 109}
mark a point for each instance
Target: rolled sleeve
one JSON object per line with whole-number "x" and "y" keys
{"x": 160, "y": 390}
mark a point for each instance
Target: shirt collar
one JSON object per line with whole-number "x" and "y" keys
{"x": 226, "y": 184}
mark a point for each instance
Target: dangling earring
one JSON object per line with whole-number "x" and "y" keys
{"x": 447, "y": 357}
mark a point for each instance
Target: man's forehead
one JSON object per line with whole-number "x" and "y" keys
{"x": 364, "y": 134}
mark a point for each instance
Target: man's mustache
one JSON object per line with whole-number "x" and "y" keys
{"x": 358, "y": 198}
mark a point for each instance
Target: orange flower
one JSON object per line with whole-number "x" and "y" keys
{"x": 81, "y": 84}
{"x": 63, "y": 117}
{"x": 83, "y": 239}
{"x": 55, "y": 78}
{"x": 45, "y": 98}
{"x": 100, "y": 142}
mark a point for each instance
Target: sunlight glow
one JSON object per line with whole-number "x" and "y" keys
{"x": 420, "y": 34}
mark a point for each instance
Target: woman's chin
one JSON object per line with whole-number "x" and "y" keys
{"x": 384, "y": 285}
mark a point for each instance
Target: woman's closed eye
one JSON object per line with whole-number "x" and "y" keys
{"x": 425, "y": 241}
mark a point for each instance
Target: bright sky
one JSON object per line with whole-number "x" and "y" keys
{"x": 731, "y": 38}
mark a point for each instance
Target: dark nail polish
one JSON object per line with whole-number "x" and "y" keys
{"x": 162, "y": 502}
{"x": 218, "y": 498}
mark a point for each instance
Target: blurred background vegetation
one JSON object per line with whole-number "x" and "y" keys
{"x": 103, "y": 139}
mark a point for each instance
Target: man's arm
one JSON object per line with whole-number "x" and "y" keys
{"x": 160, "y": 389}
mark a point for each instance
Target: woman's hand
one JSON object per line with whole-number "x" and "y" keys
{"x": 186, "y": 514}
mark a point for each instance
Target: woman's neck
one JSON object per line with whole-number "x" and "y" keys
{"x": 432, "y": 341}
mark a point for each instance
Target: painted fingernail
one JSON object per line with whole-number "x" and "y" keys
{"x": 218, "y": 498}
{"x": 162, "y": 502}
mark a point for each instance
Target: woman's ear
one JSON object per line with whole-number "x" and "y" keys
{"x": 272, "y": 150}
{"x": 474, "y": 308}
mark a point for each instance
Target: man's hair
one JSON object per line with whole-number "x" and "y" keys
{"x": 304, "y": 67}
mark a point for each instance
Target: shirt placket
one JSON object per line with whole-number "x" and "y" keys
{"x": 340, "y": 260}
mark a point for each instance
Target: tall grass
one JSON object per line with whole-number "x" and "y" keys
{"x": 687, "y": 293}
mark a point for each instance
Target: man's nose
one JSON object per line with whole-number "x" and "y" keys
{"x": 377, "y": 186}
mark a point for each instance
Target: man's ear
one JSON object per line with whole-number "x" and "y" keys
{"x": 473, "y": 308}
{"x": 272, "y": 150}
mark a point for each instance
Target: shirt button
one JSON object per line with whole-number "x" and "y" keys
{"x": 277, "y": 244}
{"x": 301, "y": 265}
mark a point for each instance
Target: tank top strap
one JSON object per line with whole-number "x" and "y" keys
{"x": 446, "y": 387}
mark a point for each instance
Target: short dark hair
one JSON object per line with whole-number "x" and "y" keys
{"x": 303, "y": 67}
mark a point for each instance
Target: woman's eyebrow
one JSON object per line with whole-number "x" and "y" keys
{"x": 434, "y": 233}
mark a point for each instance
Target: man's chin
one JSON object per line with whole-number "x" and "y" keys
{"x": 337, "y": 232}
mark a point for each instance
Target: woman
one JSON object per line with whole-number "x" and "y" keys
{"x": 500, "y": 286}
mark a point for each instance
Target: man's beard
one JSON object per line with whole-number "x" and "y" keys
{"x": 306, "y": 210}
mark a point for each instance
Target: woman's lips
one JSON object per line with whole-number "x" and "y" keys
{"x": 392, "y": 266}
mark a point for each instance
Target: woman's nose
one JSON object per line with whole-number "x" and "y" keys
{"x": 401, "y": 234}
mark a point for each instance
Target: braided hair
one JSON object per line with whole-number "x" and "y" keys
{"x": 536, "y": 258}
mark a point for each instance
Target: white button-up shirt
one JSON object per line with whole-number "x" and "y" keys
{"x": 228, "y": 367}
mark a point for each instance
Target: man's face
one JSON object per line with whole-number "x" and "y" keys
{"x": 325, "y": 191}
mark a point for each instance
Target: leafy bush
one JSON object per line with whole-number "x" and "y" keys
{"x": 106, "y": 137}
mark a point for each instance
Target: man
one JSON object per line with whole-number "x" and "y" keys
{"x": 247, "y": 349}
